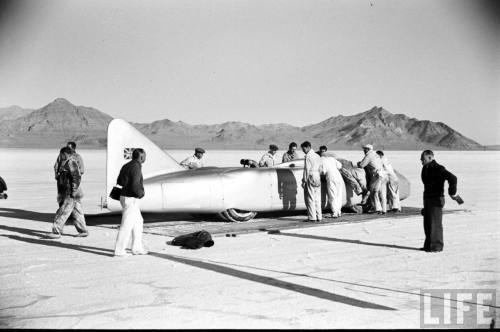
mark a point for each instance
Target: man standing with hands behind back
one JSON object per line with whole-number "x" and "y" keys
{"x": 131, "y": 180}
{"x": 433, "y": 177}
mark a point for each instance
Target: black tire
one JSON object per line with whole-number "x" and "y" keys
{"x": 234, "y": 215}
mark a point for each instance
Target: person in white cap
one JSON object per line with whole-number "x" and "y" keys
{"x": 376, "y": 178}
{"x": 195, "y": 160}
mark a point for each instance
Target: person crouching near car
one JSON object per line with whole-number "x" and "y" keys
{"x": 311, "y": 182}
{"x": 69, "y": 195}
{"x": 334, "y": 184}
{"x": 376, "y": 178}
{"x": 130, "y": 178}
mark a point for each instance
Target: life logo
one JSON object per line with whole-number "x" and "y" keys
{"x": 458, "y": 308}
{"x": 127, "y": 153}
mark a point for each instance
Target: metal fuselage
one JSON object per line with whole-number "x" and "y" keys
{"x": 213, "y": 189}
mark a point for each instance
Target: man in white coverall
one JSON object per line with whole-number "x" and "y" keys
{"x": 334, "y": 184}
{"x": 377, "y": 179}
{"x": 393, "y": 202}
{"x": 311, "y": 182}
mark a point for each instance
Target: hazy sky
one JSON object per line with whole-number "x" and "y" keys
{"x": 298, "y": 62}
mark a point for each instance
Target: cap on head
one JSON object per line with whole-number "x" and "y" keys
{"x": 273, "y": 147}
{"x": 199, "y": 150}
{"x": 368, "y": 146}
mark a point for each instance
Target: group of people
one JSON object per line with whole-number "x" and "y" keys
{"x": 382, "y": 182}
{"x": 382, "y": 190}
{"x": 382, "y": 186}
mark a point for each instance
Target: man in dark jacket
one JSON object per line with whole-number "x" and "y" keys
{"x": 433, "y": 177}
{"x": 69, "y": 195}
{"x": 131, "y": 181}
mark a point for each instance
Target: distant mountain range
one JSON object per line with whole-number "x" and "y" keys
{"x": 60, "y": 121}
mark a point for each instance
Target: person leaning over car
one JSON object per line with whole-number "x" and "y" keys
{"x": 195, "y": 160}
{"x": 267, "y": 159}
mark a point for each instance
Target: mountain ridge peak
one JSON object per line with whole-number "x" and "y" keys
{"x": 50, "y": 126}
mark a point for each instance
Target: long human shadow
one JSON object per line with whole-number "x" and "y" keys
{"x": 52, "y": 243}
{"x": 315, "y": 237}
{"x": 347, "y": 282}
{"x": 31, "y": 232}
{"x": 203, "y": 265}
{"x": 319, "y": 293}
{"x": 44, "y": 240}
{"x": 27, "y": 215}
{"x": 25, "y": 231}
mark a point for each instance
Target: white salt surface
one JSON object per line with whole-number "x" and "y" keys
{"x": 364, "y": 275}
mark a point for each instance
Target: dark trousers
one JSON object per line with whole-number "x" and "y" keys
{"x": 69, "y": 208}
{"x": 433, "y": 223}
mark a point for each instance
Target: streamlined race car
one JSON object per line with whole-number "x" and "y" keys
{"x": 235, "y": 193}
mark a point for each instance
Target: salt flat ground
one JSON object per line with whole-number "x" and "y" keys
{"x": 364, "y": 275}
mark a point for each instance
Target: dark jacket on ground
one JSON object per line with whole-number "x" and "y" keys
{"x": 68, "y": 182}
{"x": 130, "y": 179}
{"x": 433, "y": 177}
{"x": 194, "y": 240}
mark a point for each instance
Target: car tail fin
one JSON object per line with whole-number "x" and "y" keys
{"x": 123, "y": 138}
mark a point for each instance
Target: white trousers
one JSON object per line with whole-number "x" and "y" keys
{"x": 312, "y": 197}
{"x": 132, "y": 224}
{"x": 378, "y": 193}
{"x": 393, "y": 201}
{"x": 334, "y": 192}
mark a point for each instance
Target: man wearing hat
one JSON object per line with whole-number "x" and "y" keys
{"x": 376, "y": 178}
{"x": 267, "y": 159}
{"x": 195, "y": 160}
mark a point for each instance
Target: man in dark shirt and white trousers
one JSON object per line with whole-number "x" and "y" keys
{"x": 433, "y": 177}
{"x": 131, "y": 180}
